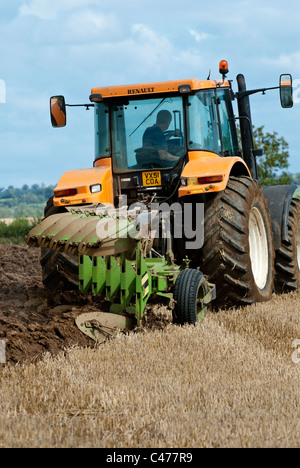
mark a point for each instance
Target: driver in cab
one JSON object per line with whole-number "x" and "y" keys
{"x": 155, "y": 137}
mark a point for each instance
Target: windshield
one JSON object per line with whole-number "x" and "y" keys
{"x": 147, "y": 133}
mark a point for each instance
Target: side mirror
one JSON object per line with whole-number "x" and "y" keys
{"x": 58, "y": 111}
{"x": 286, "y": 91}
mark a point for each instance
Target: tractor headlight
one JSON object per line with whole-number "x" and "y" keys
{"x": 183, "y": 181}
{"x": 96, "y": 188}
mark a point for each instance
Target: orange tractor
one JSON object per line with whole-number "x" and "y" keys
{"x": 172, "y": 144}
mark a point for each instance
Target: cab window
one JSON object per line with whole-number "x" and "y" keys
{"x": 227, "y": 123}
{"x": 204, "y": 133}
{"x": 102, "y": 141}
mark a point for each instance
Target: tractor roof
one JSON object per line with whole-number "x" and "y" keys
{"x": 157, "y": 88}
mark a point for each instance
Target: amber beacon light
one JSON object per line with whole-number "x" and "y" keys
{"x": 223, "y": 67}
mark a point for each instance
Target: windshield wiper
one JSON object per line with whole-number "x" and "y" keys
{"x": 149, "y": 115}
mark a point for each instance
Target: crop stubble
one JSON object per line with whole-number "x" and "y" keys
{"x": 228, "y": 382}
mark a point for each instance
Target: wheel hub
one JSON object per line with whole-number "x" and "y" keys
{"x": 259, "y": 252}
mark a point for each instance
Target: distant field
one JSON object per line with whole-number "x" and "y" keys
{"x": 9, "y": 221}
{"x": 25, "y": 202}
{"x": 22, "y": 210}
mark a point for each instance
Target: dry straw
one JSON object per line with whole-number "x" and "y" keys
{"x": 228, "y": 382}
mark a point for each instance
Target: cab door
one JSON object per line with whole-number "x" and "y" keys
{"x": 229, "y": 138}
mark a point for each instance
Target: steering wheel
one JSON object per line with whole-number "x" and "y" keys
{"x": 175, "y": 133}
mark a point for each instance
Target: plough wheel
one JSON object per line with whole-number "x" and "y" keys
{"x": 189, "y": 291}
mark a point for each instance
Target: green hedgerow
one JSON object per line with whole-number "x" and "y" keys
{"x": 17, "y": 231}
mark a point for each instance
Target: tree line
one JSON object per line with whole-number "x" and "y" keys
{"x": 274, "y": 163}
{"x": 25, "y": 202}
{"x": 16, "y": 232}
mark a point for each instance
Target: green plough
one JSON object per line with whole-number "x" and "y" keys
{"x": 115, "y": 262}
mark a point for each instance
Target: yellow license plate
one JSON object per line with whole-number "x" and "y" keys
{"x": 152, "y": 178}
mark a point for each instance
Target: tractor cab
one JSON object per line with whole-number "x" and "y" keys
{"x": 150, "y": 131}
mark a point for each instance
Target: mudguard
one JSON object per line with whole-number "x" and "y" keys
{"x": 207, "y": 164}
{"x": 279, "y": 198}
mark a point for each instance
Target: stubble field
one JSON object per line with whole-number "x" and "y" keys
{"x": 231, "y": 381}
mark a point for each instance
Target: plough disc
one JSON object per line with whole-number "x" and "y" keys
{"x": 85, "y": 233}
{"x": 102, "y": 325}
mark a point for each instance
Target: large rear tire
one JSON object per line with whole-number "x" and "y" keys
{"x": 58, "y": 268}
{"x": 238, "y": 251}
{"x": 287, "y": 259}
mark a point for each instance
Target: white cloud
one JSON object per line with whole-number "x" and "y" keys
{"x": 148, "y": 49}
{"x": 48, "y": 10}
{"x": 284, "y": 60}
{"x": 89, "y": 25}
{"x": 141, "y": 54}
{"x": 199, "y": 37}
{"x": 150, "y": 36}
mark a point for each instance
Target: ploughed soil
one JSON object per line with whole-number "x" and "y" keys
{"x": 34, "y": 320}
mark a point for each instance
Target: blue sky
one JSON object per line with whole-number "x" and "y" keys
{"x": 67, "y": 47}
